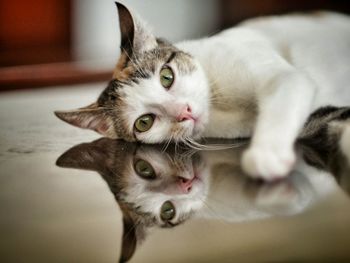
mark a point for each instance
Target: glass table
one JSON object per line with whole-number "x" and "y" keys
{"x": 68, "y": 195}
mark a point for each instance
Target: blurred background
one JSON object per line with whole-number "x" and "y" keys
{"x": 62, "y": 42}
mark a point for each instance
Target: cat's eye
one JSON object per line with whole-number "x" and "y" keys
{"x": 167, "y": 211}
{"x": 144, "y": 123}
{"x": 144, "y": 169}
{"x": 166, "y": 77}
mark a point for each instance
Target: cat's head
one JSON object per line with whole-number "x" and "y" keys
{"x": 157, "y": 93}
{"x": 150, "y": 185}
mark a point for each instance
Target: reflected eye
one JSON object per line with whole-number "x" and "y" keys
{"x": 167, "y": 211}
{"x": 144, "y": 169}
{"x": 166, "y": 77}
{"x": 144, "y": 123}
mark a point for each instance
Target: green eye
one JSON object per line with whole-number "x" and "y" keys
{"x": 166, "y": 77}
{"x": 144, "y": 123}
{"x": 167, "y": 211}
{"x": 144, "y": 169}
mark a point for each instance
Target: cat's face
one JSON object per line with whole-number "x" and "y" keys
{"x": 151, "y": 186}
{"x": 167, "y": 189}
{"x": 153, "y": 112}
{"x": 158, "y": 92}
{"x": 149, "y": 183}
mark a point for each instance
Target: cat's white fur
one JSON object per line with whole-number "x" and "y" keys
{"x": 149, "y": 96}
{"x": 282, "y": 67}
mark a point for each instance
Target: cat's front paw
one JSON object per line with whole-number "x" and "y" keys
{"x": 268, "y": 163}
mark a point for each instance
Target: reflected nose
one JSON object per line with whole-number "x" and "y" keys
{"x": 185, "y": 114}
{"x": 185, "y": 185}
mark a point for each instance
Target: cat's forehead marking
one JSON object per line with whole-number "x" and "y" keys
{"x": 184, "y": 63}
{"x": 130, "y": 71}
{"x": 144, "y": 65}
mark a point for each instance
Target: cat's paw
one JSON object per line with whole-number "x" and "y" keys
{"x": 268, "y": 163}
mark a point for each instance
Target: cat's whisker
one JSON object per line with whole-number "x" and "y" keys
{"x": 213, "y": 147}
{"x": 221, "y": 103}
{"x": 219, "y": 100}
{"x": 167, "y": 143}
{"x": 176, "y": 139}
{"x": 187, "y": 142}
{"x": 136, "y": 63}
{"x": 188, "y": 154}
{"x": 140, "y": 68}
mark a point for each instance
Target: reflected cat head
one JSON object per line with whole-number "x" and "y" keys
{"x": 153, "y": 186}
{"x": 150, "y": 180}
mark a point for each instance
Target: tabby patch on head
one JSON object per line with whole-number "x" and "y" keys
{"x": 157, "y": 93}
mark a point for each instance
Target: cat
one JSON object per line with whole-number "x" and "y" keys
{"x": 164, "y": 187}
{"x": 260, "y": 79}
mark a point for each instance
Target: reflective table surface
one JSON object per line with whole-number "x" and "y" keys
{"x": 67, "y": 195}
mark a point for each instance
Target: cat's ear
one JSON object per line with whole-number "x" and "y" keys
{"x": 129, "y": 239}
{"x": 94, "y": 156}
{"x": 92, "y": 117}
{"x": 136, "y": 37}
{"x": 134, "y": 234}
{"x": 100, "y": 155}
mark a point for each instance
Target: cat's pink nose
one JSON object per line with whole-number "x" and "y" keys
{"x": 185, "y": 185}
{"x": 185, "y": 114}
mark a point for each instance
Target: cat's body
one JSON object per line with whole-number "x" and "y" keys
{"x": 268, "y": 75}
{"x": 260, "y": 80}
{"x": 244, "y": 61}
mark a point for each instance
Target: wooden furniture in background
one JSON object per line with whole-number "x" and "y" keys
{"x": 36, "y": 46}
{"x": 52, "y": 74}
{"x": 234, "y": 11}
{"x": 35, "y": 37}
{"x": 33, "y": 32}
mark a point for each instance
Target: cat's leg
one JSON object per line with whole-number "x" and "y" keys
{"x": 284, "y": 104}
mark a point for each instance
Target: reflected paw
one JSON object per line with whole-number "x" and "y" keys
{"x": 268, "y": 163}
{"x": 276, "y": 194}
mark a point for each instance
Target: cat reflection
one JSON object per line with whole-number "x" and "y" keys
{"x": 163, "y": 187}
{"x": 153, "y": 186}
